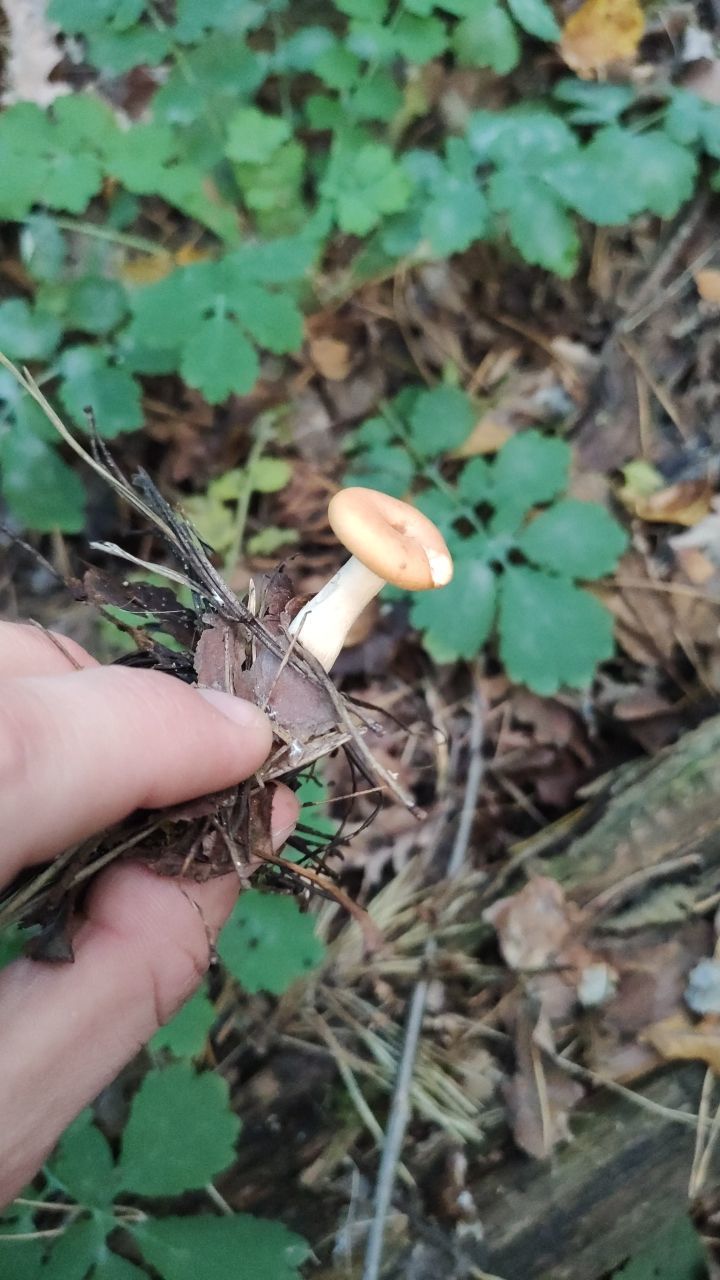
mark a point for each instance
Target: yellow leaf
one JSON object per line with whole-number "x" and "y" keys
{"x": 487, "y": 436}
{"x": 600, "y": 33}
{"x": 708, "y": 284}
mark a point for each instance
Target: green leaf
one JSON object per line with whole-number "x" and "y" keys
{"x": 268, "y": 942}
{"x": 83, "y": 1163}
{"x": 22, "y": 1259}
{"x": 578, "y": 539}
{"x": 194, "y": 17}
{"x": 313, "y": 796}
{"x": 540, "y": 228}
{"x": 449, "y": 209}
{"x": 337, "y": 67}
{"x": 268, "y": 475}
{"x": 530, "y": 469}
{"x": 487, "y": 38}
{"x": 12, "y": 942}
{"x": 440, "y": 421}
{"x": 27, "y": 334}
{"x": 95, "y": 305}
{"x": 674, "y": 1252}
{"x": 120, "y": 51}
{"x": 273, "y": 319}
{"x": 76, "y": 1249}
{"x": 81, "y": 16}
{"x": 367, "y": 10}
{"x": 113, "y": 1267}
{"x": 551, "y": 632}
{"x": 524, "y": 137}
{"x": 388, "y": 468}
{"x": 593, "y": 103}
{"x": 263, "y": 1250}
{"x": 253, "y": 136}
{"x": 218, "y": 359}
{"x": 535, "y": 17}
{"x": 419, "y": 39}
{"x": 475, "y": 482}
{"x": 269, "y": 541}
{"x": 41, "y": 490}
{"x": 621, "y": 173}
{"x": 457, "y": 620}
{"x": 377, "y": 97}
{"x": 364, "y": 183}
{"x": 181, "y": 1132}
{"x": 221, "y": 67}
{"x": 42, "y": 247}
{"x": 185, "y": 1035}
{"x": 90, "y": 381}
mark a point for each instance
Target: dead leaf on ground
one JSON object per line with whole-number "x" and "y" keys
{"x": 540, "y": 1095}
{"x": 708, "y": 284}
{"x": 537, "y": 930}
{"x": 600, "y": 33}
{"x": 331, "y": 358}
{"x": 677, "y": 1037}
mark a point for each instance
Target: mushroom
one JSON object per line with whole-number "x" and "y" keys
{"x": 389, "y": 541}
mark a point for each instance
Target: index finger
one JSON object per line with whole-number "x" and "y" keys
{"x": 79, "y": 752}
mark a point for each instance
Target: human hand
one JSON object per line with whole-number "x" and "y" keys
{"x": 80, "y": 749}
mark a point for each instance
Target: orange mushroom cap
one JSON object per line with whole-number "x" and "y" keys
{"x": 393, "y": 539}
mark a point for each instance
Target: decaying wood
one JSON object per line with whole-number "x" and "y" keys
{"x": 624, "y": 1175}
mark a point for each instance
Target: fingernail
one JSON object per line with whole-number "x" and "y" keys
{"x": 244, "y": 713}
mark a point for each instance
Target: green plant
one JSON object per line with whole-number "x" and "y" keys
{"x": 281, "y": 134}
{"x": 674, "y": 1253}
{"x": 519, "y": 551}
{"x": 180, "y": 1134}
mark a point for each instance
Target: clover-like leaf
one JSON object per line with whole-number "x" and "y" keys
{"x": 529, "y": 469}
{"x": 241, "y": 1245}
{"x": 363, "y": 183}
{"x": 674, "y": 1250}
{"x": 577, "y": 539}
{"x": 440, "y": 420}
{"x": 95, "y": 305}
{"x": 253, "y": 136}
{"x": 81, "y": 1244}
{"x": 268, "y": 942}
{"x": 41, "y": 490}
{"x": 540, "y": 227}
{"x": 83, "y": 1163}
{"x": 457, "y": 620}
{"x": 187, "y": 1031}
{"x": 219, "y": 359}
{"x": 181, "y": 1132}
{"x": 487, "y": 37}
{"x": 388, "y": 468}
{"x": 536, "y": 17}
{"x": 90, "y": 381}
{"x": 26, "y": 333}
{"x": 551, "y": 632}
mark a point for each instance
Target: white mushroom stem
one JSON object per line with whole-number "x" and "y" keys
{"x": 322, "y": 625}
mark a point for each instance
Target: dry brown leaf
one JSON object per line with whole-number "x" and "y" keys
{"x": 708, "y": 284}
{"x": 540, "y": 1095}
{"x": 685, "y": 503}
{"x": 331, "y": 358}
{"x": 677, "y": 1037}
{"x": 537, "y": 931}
{"x": 600, "y": 33}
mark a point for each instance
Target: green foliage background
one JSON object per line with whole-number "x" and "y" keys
{"x": 281, "y": 136}
{"x": 279, "y": 140}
